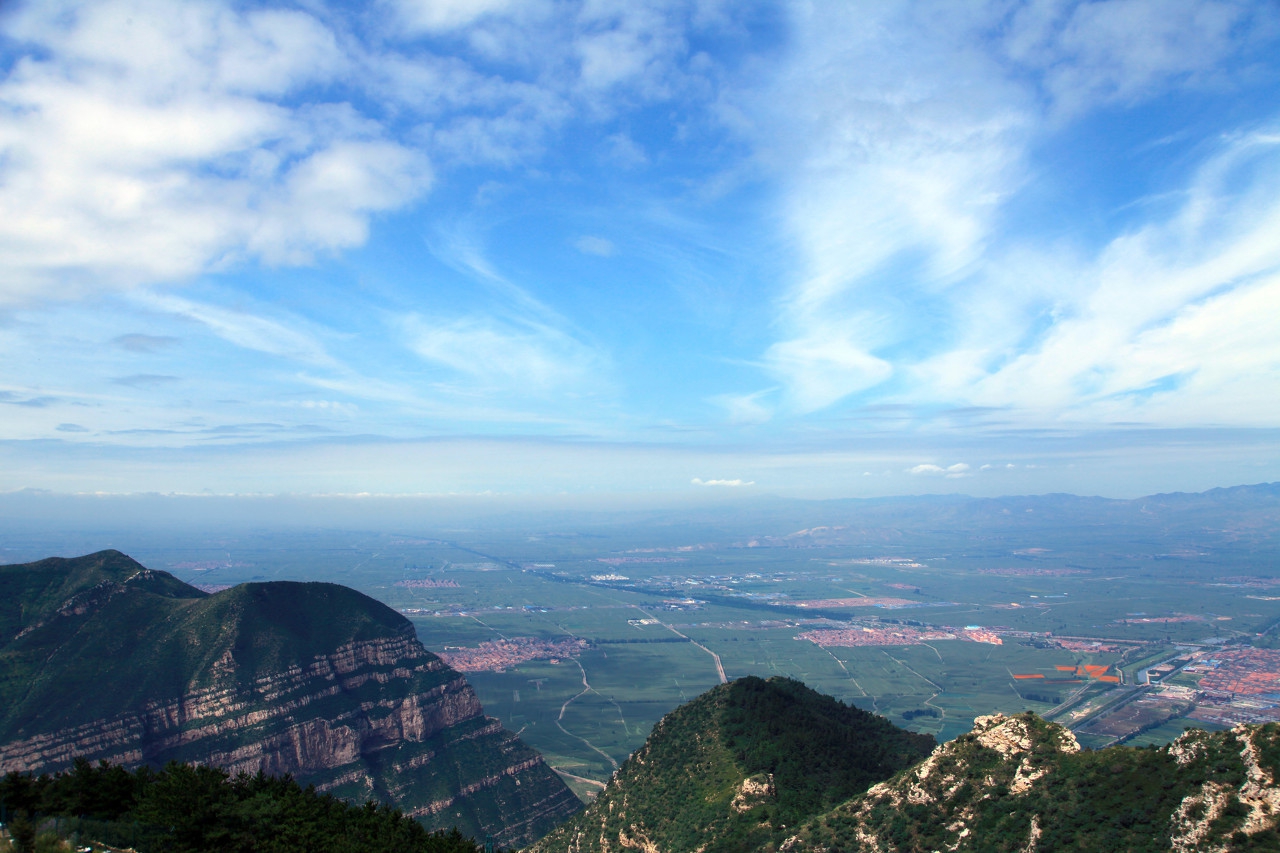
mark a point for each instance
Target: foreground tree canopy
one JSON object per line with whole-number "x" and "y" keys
{"x": 191, "y": 808}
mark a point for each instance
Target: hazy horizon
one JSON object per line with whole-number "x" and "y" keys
{"x": 31, "y": 517}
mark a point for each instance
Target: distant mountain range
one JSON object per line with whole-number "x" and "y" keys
{"x": 103, "y": 658}
{"x": 773, "y": 766}
{"x": 1248, "y": 511}
{"x": 1229, "y": 515}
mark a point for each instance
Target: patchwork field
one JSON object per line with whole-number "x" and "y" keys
{"x": 581, "y": 640}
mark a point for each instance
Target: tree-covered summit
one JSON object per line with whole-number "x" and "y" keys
{"x": 730, "y": 770}
{"x": 69, "y": 623}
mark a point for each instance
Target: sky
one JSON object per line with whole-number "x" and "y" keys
{"x": 641, "y": 250}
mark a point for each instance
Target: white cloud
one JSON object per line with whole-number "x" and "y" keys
{"x": 149, "y": 142}
{"x": 898, "y": 135}
{"x": 893, "y": 137}
{"x": 745, "y": 408}
{"x": 733, "y": 484}
{"x": 326, "y": 199}
{"x": 598, "y": 246}
{"x": 951, "y": 472}
{"x": 1189, "y": 305}
{"x": 625, "y": 151}
{"x": 527, "y": 357}
{"x": 243, "y": 329}
{"x": 433, "y": 16}
{"x": 1126, "y": 50}
{"x": 334, "y": 406}
{"x": 823, "y": 367}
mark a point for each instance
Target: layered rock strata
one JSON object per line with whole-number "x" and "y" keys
{"x": 313, "y": 680}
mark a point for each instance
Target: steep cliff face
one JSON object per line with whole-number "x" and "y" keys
{"x": 1021, "y": 784}
{"x": 102, "y": 658}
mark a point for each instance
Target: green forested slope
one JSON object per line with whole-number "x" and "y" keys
{"x": 772, "y": 766}
{"x": 103, "y": 658}
{"x": 88, "y": 637}
{"x": 732, "y": 769}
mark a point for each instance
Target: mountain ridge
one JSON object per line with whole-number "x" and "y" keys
{"x": 1022, "y": 784}
{"x": 1014, "y": 784}
{"x": 311, "y": 679}
{"x": 729, "y": 770}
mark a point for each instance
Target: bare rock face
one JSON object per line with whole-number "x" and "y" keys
{"x": 313, "y": 680}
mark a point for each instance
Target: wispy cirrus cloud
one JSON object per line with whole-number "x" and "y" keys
{"x": 915, "y": 136}
{"x": 1174, "y": 322}
{"x": 895, "y": 142}
{"x": 592, "y": 245}
{"x": 523, "y": 358}
{"x": 141, "y": 343}
{"x": 244, "y": 329}
{"x": 753, "y": 408}
{"x": 145, "y": 380}
{"x": 825, "y": 223}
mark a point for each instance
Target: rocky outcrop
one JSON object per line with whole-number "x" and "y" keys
{"x": 1021, "y": 784}
{"x": 312, "y": 680}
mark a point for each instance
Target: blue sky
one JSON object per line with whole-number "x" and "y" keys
{"x": 639, "y": 250}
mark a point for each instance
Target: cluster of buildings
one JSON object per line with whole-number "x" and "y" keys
{"x": 1232, "y": 685}
{"x": 500, "y": 655}
{"x": 863, "y": 601}
{"x": 1027, "y": 571}
{"x": 896, "y": 635}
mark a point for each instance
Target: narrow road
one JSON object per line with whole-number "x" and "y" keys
{"x": 908, "y": 668}
{"x": 724, "y": 679}
{"x": 487, "y": 625}
{"x": 583, "y": 779}
{"x": 719, "y": 666}
{"x": 840, "y": 663}
{"x": 586, "y": 688}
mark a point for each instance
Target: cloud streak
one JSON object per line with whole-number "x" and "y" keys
{"x": 902, "y": 137}
{"x": 149, "y": 142}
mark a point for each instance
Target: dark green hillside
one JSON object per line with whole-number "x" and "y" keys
{"x": 159, "y": 638}
{"x": 32, "y": 592}
{"x": 734, "y": 767}
{"x": 104, "y": 659}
